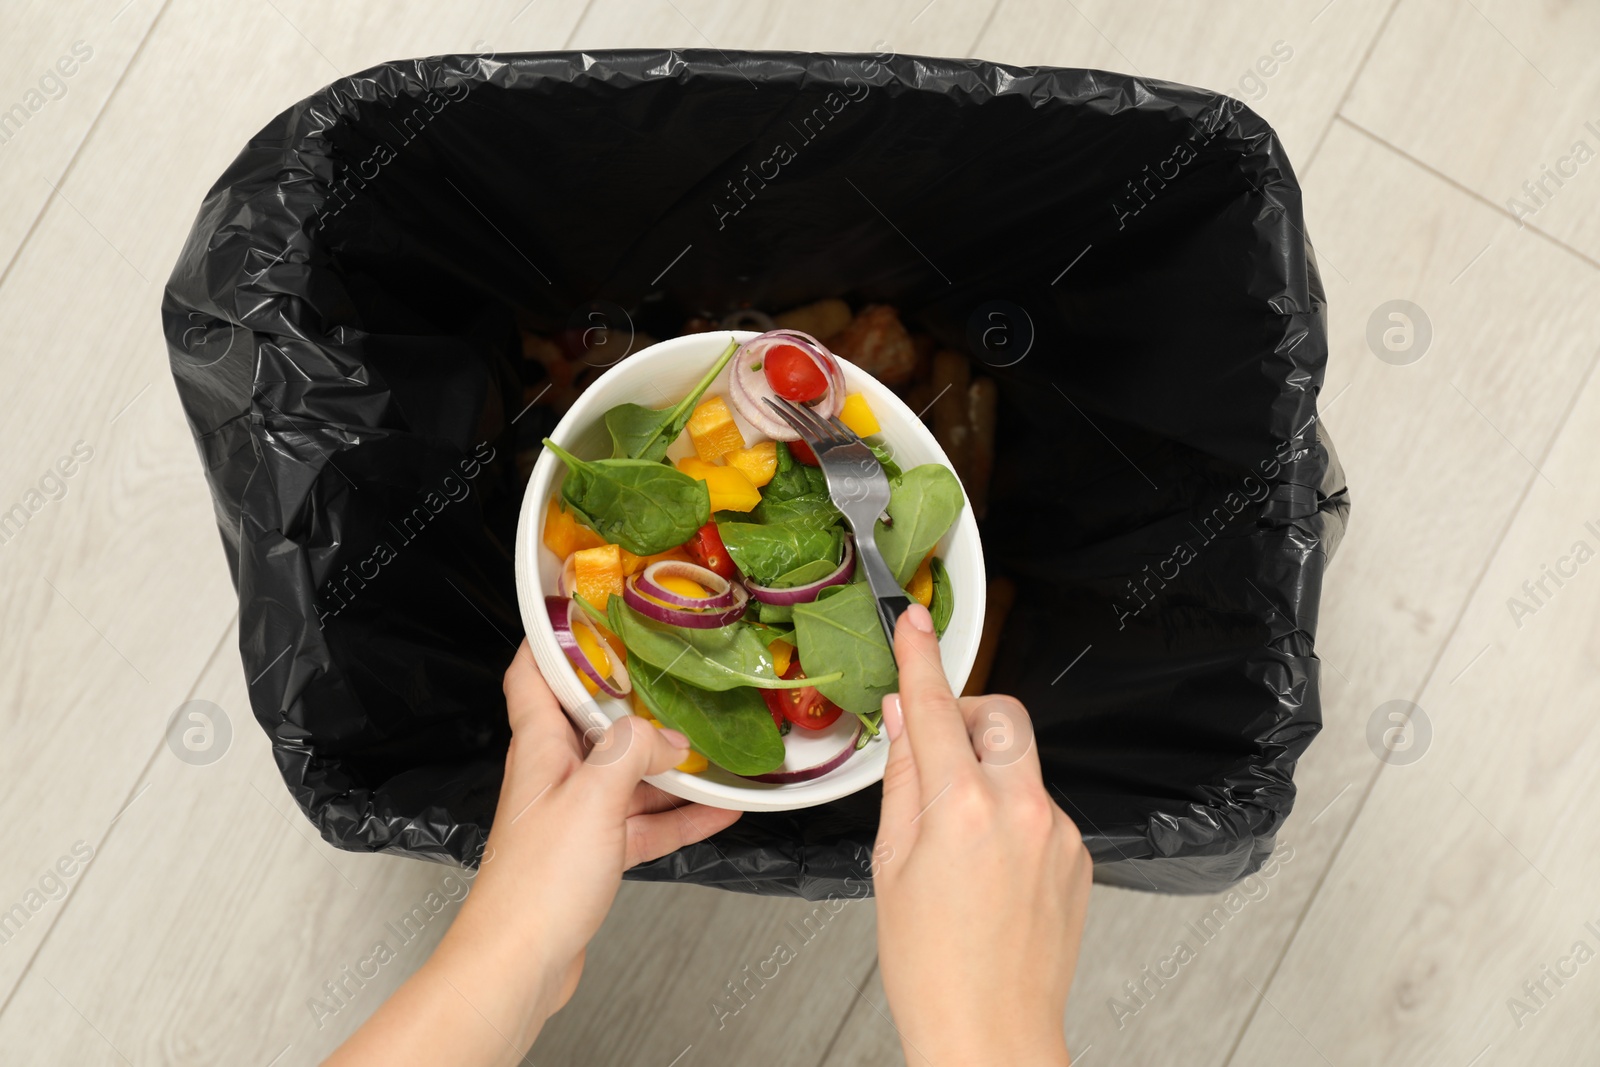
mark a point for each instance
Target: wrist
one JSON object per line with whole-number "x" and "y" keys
{"x": 1014, "y": 1050}
{"x": 503, "y": 955}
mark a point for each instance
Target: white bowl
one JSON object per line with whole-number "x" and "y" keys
{"x": 660, "y": 376}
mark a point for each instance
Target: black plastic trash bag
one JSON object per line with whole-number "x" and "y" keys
{"x": 1127, "y": 256}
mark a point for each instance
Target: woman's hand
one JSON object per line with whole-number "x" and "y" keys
{"x": 982, "y": 881}
{"x": 566, "y": 827}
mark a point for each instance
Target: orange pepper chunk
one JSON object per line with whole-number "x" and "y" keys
{"x": 713, "y": 431}
{"x": 564, "y": 534}
{"x": 598, "y": 574}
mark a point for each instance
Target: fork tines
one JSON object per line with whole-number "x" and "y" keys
{"x": 818, "y": 432}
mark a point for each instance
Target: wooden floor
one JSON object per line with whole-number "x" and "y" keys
{"x": 1411, "y": 904}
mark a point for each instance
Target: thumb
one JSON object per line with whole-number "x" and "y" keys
{"x": 625, "y": 752}
{"x": 902, "y": 790}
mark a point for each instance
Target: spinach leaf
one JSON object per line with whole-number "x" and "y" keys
{"x": 765, "y": 553}
{"x": 638, "y": 432}
{"x": 718, "y": 659}
{"x": 815, "y": 510}
{"x": 775, "y": 614}
{"x": 944, "y": 597}
{"x": 885, "y": 459}
{"x": 924, "y": 503}
{"x": 731, "y": 728}
{"x": 794, "y": 478}
{"x": 838, "y": 633}
{"x": 645, "y": 507}
{"x": 770, "y": 633}
{"x": 807, "y": 573}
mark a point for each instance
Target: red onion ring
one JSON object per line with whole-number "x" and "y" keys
{"x": 815, "y": 770}
{"x": 805, "y": 594}
{"x": 650, "y": 584}
{"x": 747, "y": 387}
{"x": 564, "y": 615}
{"x": 567, "y": 582}
{"x": 685, "y": 617}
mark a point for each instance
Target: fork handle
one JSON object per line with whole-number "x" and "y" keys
{"x": 892, "y": 600}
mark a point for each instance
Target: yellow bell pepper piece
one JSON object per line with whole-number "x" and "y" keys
{"x": 759, "y": 462}
{"x": 596, "y": 653}
{"x": 730, "y": 490}
{"x": 713, "y": 431}
{"x": 782, "y": 655}
{"x": 920, "y": 588}
{"x": 682, "y": 586}
{"x": 858, "y": 416}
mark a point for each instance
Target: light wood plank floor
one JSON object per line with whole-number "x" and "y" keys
{"x": 1416, "y": 912}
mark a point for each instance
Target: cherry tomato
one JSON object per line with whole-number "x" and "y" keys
{"x": 802, "y": 452}
{"x": 794, "y": 375}
{"x": 805, "y": 707}
{"x": 708, "y": 550}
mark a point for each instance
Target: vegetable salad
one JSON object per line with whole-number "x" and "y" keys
{"x": 719, "y": 593}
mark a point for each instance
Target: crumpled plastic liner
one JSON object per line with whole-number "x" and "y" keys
{"x": 342, "y": 325}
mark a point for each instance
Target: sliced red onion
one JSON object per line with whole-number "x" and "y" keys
{"x": 748, "y": 384}
{"x": 830, "y": 749}
{"x": 805, "y": 594}
{"x": 567, "y": 583}
{"x": 686, "y": 617}
{"x": 564, "y": 615}
{"x": 650, "y": 584}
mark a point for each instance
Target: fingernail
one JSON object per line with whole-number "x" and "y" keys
{"x": 674, "y": 738}
{"x": 894, "y": 720}
{"x": 918, "y": 616}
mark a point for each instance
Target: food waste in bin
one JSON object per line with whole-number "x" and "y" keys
{"x": 1095, "y": 289}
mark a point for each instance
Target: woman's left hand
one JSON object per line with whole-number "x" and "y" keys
{"x": 567, "y": 825}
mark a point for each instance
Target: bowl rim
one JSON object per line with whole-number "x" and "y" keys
{"x": 869, "y": 762}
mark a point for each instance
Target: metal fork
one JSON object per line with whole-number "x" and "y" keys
{"x": 860, "y": 490}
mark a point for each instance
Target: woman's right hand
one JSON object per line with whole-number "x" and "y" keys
{"x": 982, "y": 881}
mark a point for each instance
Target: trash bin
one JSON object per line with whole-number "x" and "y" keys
{"x": 1125, "y": 258}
